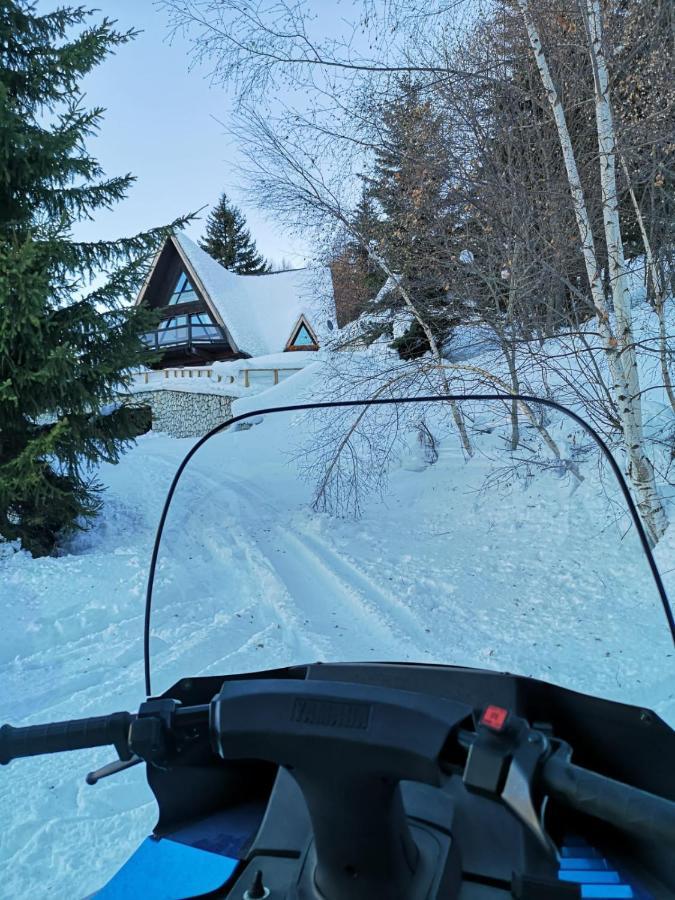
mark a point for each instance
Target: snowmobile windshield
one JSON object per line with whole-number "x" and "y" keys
{"x": 482, "y": 533}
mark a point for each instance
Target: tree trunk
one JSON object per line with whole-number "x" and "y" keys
{"x": 657, "y": 287}
{"x": 619, "y": 350}
{"x": 642, "y": 471}
{"x": 515, "y": 429}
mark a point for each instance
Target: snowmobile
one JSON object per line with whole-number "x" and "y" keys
{"x": 388, "y": 781}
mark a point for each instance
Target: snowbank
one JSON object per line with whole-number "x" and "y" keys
{"x": 533, "y": 576}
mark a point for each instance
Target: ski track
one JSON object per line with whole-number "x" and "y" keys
{"x": 242, "y": 583}
{"x": 348, "y": 594}
{"x": 256, "y": 622}
{"x": 350, "y": 602}
{"x": 298, "y": 559}
{"x": 289, "y": 564}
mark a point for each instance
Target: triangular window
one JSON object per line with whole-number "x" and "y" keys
{"x": 302, "y": 338}
{"x": 183, "y": 291}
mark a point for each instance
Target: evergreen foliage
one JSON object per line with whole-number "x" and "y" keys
{"x": 356, "y": 278}
{"x": 411, "y": 189}
{"x": 228, "y": 240}
{"x": 66, "y": 340}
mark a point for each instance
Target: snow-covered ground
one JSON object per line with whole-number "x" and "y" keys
{"x": 533, "y": 578}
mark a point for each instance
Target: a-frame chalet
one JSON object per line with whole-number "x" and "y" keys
{"x": 209, "y": 313}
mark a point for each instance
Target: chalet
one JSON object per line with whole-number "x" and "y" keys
{"x": 222, "y": 336}
{"x": 210, "y": 314}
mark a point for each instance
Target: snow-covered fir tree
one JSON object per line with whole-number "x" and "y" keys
{"x": 410, "y": 187}
{"x": 356, "y": 278}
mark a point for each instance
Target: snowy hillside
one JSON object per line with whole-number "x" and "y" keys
{"x": 531, "y": 577}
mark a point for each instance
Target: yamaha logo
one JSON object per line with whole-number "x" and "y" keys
{"x": 331, "y": 713}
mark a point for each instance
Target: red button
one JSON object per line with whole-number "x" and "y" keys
{"x": 494, "y": 717}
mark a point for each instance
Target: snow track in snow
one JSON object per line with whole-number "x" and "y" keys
{"x": 317, "y": 592}
{"x": 249, "y": 578}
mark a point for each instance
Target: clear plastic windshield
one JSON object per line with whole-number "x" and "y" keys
{"x": 379, "y": 534}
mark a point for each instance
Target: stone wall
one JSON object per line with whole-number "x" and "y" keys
{"x": 184, "y": 413}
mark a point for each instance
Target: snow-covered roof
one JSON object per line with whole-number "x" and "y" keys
{"x": 262, "y": 312}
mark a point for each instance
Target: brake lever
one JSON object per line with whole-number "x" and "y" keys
{"x": 119, "y": 765}
{"x": 504, "y": 756}
{"x": 517, "y": 793}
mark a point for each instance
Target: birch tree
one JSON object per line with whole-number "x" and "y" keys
{"x": 617, "y": 335}
{"x": 541, "y": 255}
{"x": 287, "y": 179}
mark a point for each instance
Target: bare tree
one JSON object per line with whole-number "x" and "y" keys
{"x": 537, "y": 246}
{"x": 617, "y": 338}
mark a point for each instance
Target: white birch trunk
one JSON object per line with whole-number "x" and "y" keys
{"x": 619, "y": 349}
{"x": 659, "y": 291}
{"x": 641, "y": 469}
{"x": 610, "y": 199}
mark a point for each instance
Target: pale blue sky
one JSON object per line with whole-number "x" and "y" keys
{"x": 161, "y": 125}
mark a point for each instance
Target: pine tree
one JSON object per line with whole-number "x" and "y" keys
{"x": 356, "y": 278}
{"x": 410, "y": 186}
{"x": 228, "y": 240}
{"x": 67, "y": 342}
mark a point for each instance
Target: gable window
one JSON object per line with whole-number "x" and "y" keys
{"x": 183, "y": 292}
{"x": 202, "y": 327}
{"x": 302, "y": 338}
{"x": 173, "y": 331}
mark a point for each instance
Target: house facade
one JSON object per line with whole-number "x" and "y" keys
{"x": 210, "y": 314}
{"x": 222, "y": 336}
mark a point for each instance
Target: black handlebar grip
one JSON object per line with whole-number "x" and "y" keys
{"x": 76, "y": 734}
{"x": 637, "y": 812}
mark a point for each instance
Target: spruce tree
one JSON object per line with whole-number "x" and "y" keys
{"x": 67, "y": 341}
{"x": 228, "y": 240}
{"x": 410, "y": 186}
{"x": 356, "y": 278}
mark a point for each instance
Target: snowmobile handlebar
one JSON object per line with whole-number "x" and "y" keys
{"x": 76, "y": 734}
{"x": 634, "y": 811}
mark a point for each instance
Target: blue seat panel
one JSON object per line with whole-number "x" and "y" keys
{"x": 590, "y": 876}
{"x": 166, "y": 870}
{"x": 583, "y": 863}
{"x": 607, "y": 892}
